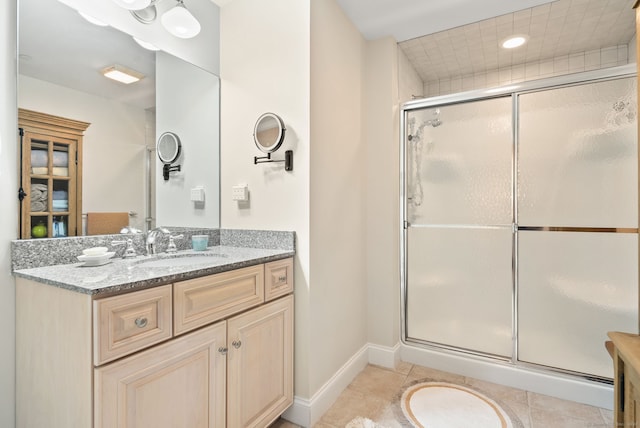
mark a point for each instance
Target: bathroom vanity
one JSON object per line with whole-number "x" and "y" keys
{"x": 196, "y": 339}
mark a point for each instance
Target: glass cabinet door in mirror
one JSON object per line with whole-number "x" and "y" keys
{"x": 61, "y": 56}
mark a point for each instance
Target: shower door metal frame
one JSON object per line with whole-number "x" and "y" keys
{"x": 513, "y": 91}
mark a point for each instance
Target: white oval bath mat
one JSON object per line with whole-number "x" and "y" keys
{"x": 446, "y": 405}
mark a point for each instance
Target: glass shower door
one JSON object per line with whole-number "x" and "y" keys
{"x": 459, "y": 236}
{"x": 577, "y": 219}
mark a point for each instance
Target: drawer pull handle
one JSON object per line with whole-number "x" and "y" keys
{"x": 223, "y": 350}
{"x": 282, "y": 278}
{"x": 141, "y": 322}
{"x": 236, "y": 343}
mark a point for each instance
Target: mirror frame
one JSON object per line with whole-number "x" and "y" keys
{"x": 266, "y": 148}
{"x": 167, "y": 138}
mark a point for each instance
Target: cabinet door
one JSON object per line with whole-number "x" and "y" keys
{"x": 260, "y": 364}
{"x": 177, "y": 384}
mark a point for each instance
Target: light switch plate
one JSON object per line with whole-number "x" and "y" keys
{"x": 197, "y": 194}
{"x": 240, "y": 193}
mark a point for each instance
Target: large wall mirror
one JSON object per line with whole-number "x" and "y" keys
{"x": 61, "y": 56}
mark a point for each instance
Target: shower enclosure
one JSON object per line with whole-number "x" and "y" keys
{"x": 520, "y": 221}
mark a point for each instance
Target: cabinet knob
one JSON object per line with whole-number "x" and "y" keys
{"x": 223, "y": 350}
{"x": 236, "y": 343}
{"x": 141, "y": 322}
{"x": 282, "y": 278}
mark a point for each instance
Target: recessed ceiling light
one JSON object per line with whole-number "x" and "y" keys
{"x": 94, "y": 21}
{"x": 122, "y": 74}
{"x": 514, "y": 41}
{"x": 146, "y": 45}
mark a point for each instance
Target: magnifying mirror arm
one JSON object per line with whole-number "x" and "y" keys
{"x": 167, "y": 168}
{"x": 288, "y": 160}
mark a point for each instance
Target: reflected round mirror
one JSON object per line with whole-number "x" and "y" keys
{"x": 268, "y": 133}
{"x": 168, "y": 147}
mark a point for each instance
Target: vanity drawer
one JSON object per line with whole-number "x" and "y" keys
{"x": 201, "y": 301}
{"x": 278, "y": 278}
{"x": 129, "y": 322}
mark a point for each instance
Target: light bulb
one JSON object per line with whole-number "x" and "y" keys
{"x": 132, "y": 4}
{"x": 180, "y": 22}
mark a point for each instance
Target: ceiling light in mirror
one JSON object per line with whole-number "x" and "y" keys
{"x": 514, "y": 41}
{"x": 94, "y": 21}
{"x": 146, "y": 45}
{"x": 122, "y": 74}
{"x": 133, "y": 4}
{"x": 180, "y": 22}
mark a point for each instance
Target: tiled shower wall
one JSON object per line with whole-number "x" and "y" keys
{"x": 561, "y": 65}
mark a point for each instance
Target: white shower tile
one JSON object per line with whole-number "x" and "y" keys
{"x": 479, "y": 80}
{"x": 561, "y": 65}
{"x": 456, "y": 84}
{"x": 592, "y": 60}
{"x": 546, "y": 68}
{"x": 467, "y": 83}
{"x": 609, "y": 56}
{"x": 517, "y": 73}
{"x": 505, "y": 75}
{"x": 623, "y": 53}
{"x": 532, "y": 70}
{"x": 445, "y": 86}
{"x": 576, "y": 62}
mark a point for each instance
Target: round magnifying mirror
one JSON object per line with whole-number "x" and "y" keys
{"x": 268, "y": 133}
{"x": 168, "y": 147}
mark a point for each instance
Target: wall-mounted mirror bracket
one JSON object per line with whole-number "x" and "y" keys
{"x": 167, "y": 168}
{"x": 288, "y": 160}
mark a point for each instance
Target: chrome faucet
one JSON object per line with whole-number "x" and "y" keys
{"x": 152, "y": 235}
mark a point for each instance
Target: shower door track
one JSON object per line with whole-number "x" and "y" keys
{"x": 513, "y": 91}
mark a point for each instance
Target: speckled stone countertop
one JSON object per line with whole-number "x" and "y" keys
{"x": 237, "y": 249}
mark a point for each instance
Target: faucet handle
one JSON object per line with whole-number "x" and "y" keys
{"x": 171, "y": 248}
{"x": 129, "y": 251}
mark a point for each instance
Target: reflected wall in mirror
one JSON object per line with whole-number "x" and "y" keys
{"x": 60, "y": 59}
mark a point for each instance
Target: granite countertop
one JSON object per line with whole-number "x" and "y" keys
{"x": 130, "y": 274}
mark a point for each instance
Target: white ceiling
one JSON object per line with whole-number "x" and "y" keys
{"x": 407, "y": 19}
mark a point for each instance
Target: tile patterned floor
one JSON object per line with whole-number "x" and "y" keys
{"x": 374, "y": 392}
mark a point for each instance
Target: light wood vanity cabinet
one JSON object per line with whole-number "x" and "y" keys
{"x": 626, "y": 381}
{"x": 122, "y": 361}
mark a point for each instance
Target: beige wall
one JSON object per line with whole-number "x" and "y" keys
{"x": 8, "y": 208}
{"x": 337, "y": 193}
{"x": 265, "y": 57}
{"x": 382, "y": 202}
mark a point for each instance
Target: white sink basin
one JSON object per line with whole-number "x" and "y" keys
{"x": 182, "y": 260}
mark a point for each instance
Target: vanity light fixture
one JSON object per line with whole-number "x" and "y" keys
{"x": 514, "y": 41}
{"x": 146, "y": 45}
{"x": 177, "y": 20}
{"x": 122, "y": 74}
{"x": 94, "y": 21}
{"x": 180, "y": 22}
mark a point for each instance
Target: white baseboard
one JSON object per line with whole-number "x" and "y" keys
{"x": 556, "y": 385}
{"x": 306, "y": 412}
{"x": 384, "y": 356}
